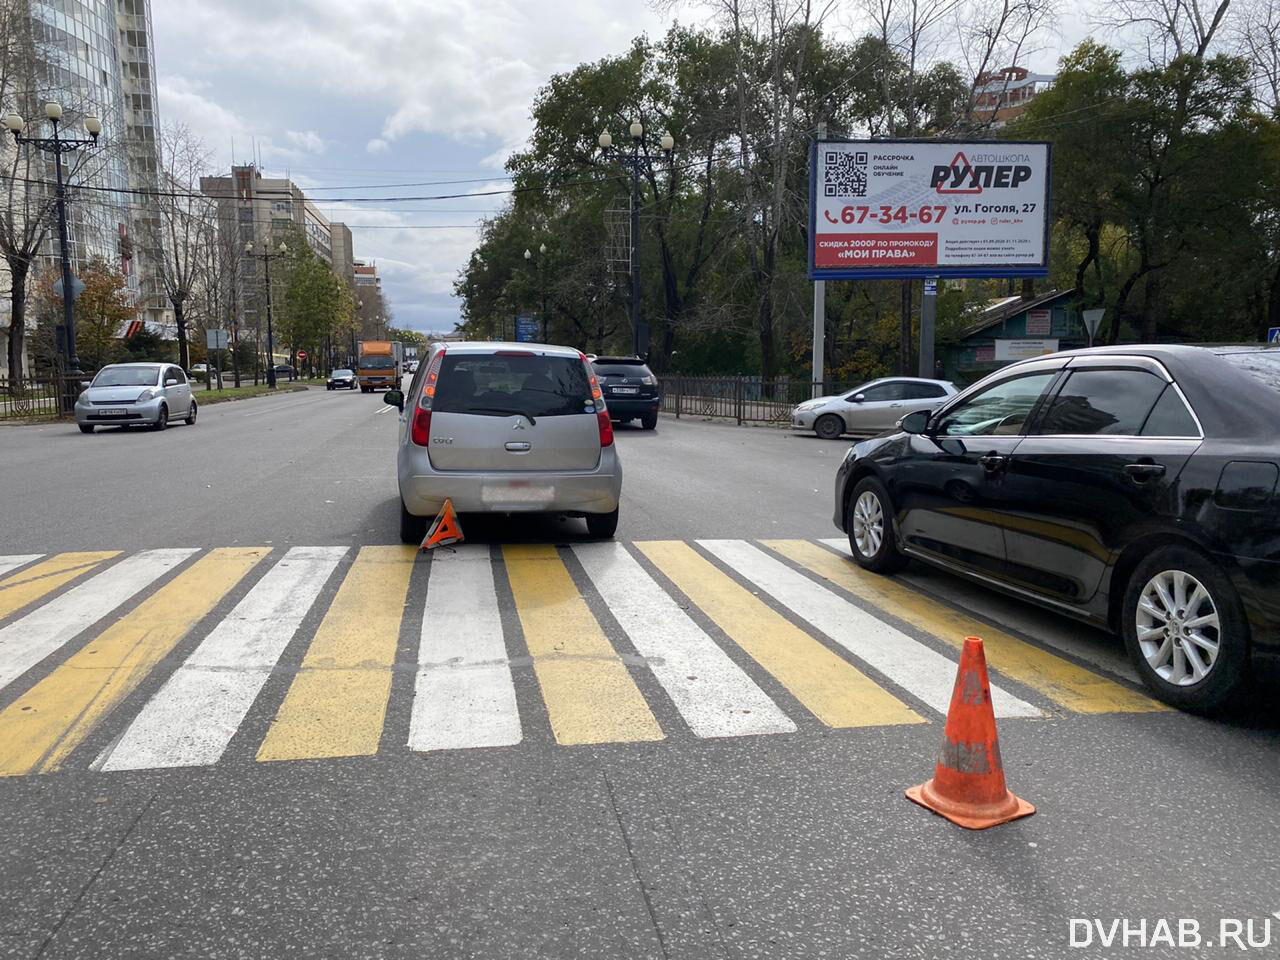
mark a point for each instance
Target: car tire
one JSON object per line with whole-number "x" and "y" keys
{"x": 602, "y": 526}
{"x": 85, "y": 427}
{"x": 328, "y": 386}
{"x": 190, "y": 421}
{"x": 829, "y": 426}
{"x": 649, "y": 421}
{"x": 162, "y": 418}
{"x": 868, "y": 520}
{"x": 413, "y": 529}
{"x": 1165, "y": 671}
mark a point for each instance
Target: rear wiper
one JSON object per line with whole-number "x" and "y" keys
{"x": 506, "y": 410}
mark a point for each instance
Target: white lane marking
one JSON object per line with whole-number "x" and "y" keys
{"x": 14, "y": 561}
{"x": 384, "y": 409}
{"x": 1090, "y": 645}
{"x": 192, "y": 718}
{"x": 464, "y": 695}
{"x": 26, "y": 642}
{"x": 302, "y": 400}
{"x": 713, "y": 694}
{"x": 916, "y": 668}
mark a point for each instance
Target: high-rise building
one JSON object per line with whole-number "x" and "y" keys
{"x": 95, "y": 57}
{"x": 344, "y": 264}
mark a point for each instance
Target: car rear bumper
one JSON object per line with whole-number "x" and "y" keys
{"x": 632, "y": 406}
{"x": 424, "y": 489}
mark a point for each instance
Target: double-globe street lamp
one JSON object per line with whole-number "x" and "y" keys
{"x": 58, "y": 145}
{"x": 266, "y": 257}
{"x": 542, "y": 287}
{"x": 637, "y": 161}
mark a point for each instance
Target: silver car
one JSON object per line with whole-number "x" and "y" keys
{"x": 505, "y": 428}
{"x": 136, "y": 394}
{"x": 872, "y": 408}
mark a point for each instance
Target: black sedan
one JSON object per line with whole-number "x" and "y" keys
{"x": 342, "y": 380}
{"x": 1133, "y": 487}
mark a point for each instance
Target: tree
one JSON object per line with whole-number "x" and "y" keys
{"x": 177, "y": 222}
{"x": 103, "y": 311}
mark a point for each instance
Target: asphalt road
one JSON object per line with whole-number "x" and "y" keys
{"x": 677, "y": 833}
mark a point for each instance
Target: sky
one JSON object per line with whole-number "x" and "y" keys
{"x": 345, "y": 96}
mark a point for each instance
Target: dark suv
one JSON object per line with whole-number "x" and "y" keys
{"x": 630, "y": 389}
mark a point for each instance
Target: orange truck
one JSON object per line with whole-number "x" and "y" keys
{"x": 379, "y": 365}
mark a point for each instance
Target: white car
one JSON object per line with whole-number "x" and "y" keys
{"x": 873, "y": 408}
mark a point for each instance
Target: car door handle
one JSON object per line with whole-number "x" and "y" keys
{"x": 1144, "y": 470}
{"x": 993, "y": 462}
{"x": 518, "y": 446}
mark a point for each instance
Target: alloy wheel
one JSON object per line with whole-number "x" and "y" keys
{"x": 1179, "y": 631}
{"x": 868, "y": 524}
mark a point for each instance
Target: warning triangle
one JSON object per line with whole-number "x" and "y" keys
{"x": 445, "y": 529}
{"x": 959, "y": 163}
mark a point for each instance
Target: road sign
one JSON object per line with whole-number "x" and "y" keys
{"x": 302, "y": 354}
{"x": 526, "y": 329}
{"x": 215, "y": 339}
{"x": 1273, "y": 335}
{"x": 77, "y": 287}
{"x": 902, "y": 209}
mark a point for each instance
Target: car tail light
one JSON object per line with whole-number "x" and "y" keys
{"x": 420, "y": 427}
{"x": 597, "y": 397}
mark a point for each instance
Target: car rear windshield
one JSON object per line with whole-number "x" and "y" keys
{"x": 499, "y": 385}
{"x": 604, "y": 368}
{"x": 377, "y": 363}
{"x": 126, "y": 377}
{"x": 1263, "y": 365}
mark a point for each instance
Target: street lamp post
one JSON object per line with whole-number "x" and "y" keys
{"x": 266, "y": 257}
{"x": 58, "y": 145}
{"x": 542, "y": 285}
{"x": 637, "y": 161}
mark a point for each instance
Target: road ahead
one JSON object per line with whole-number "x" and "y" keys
{"x": 238, "y": 720}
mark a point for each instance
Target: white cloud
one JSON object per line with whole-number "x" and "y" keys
{"x": 308, "y": 141}
{"x": 377, "y": 145}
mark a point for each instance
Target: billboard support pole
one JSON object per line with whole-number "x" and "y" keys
{"x": 819, "y": 312}
{"x": 928, "y": 315}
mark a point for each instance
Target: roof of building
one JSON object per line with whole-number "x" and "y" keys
{"x": 1002, "y": 308}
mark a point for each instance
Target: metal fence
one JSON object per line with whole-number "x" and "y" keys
{"x": 744, "y": 399}
{"x": 39, "y": 396}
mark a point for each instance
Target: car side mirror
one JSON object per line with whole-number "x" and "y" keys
{"x": 859, "y": 397}
{"x": 916, "y": 422}
{"x": 171, "y": 381}
{"x": 395, "y": 398}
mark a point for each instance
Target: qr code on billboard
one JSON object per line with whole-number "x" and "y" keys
{"x": 845, "y": 174}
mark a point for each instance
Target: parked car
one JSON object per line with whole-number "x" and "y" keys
{"x": 506, "y": 428}
{"x": 342, "y": 380}
{"x": 129, "y": 394}
{"x": 1133, "y": 487}
{"x": 198, "y": 370}
{"x": 284, "y": 370}
{"x": 630, "y": 389}
{"x": 871, "y": 408}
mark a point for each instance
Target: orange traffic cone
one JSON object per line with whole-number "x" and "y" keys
{"x": 445, "y": 529}
{"x": 968, "y": 782}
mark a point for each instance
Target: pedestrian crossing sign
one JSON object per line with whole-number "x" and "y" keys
{"x": 1273, "y": 335}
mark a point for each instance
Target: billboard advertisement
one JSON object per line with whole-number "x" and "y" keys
{"x": 895, "y": 209}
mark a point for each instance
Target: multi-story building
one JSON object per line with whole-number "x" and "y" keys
{"x": 94, "y": 57}
{"x": 344, "y": 264}
{"x": 1001, "y": 95}
{"x": 369, "y": 304}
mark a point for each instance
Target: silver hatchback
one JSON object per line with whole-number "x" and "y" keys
{"x": 136, "y": 394}
{"x": 505, "y": 428}
{"x": 872, "y": 408}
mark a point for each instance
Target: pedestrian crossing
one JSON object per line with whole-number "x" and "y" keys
{"x": 161, "y": 658}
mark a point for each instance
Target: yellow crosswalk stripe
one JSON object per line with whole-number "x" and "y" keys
{"x": 835, "y": 691}
{"x": 589, "y": 694}
{"x": 337, "y": 703}
{"x": 19, "y": 589}
{"x": 43, "y": 726}
{"x": 1062, "y": 681}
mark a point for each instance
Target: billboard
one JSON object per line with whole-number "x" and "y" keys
{"x": 526, "y": 329}
{"x": 895, "y": 209}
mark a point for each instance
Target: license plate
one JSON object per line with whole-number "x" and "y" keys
{"x": 113, "y": 412}
{"x": 630, "y": 390}
{"x": 517, "y": 492}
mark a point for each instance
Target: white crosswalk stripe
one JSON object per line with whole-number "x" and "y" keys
{"x": 193, "y": 717}
{"x": 713, "y": 694}
{"x": 464, "y": 694}
{"x": 27, "y": 641}
{"x": 14, "y": 561}
{"x": 919, "y": 669}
